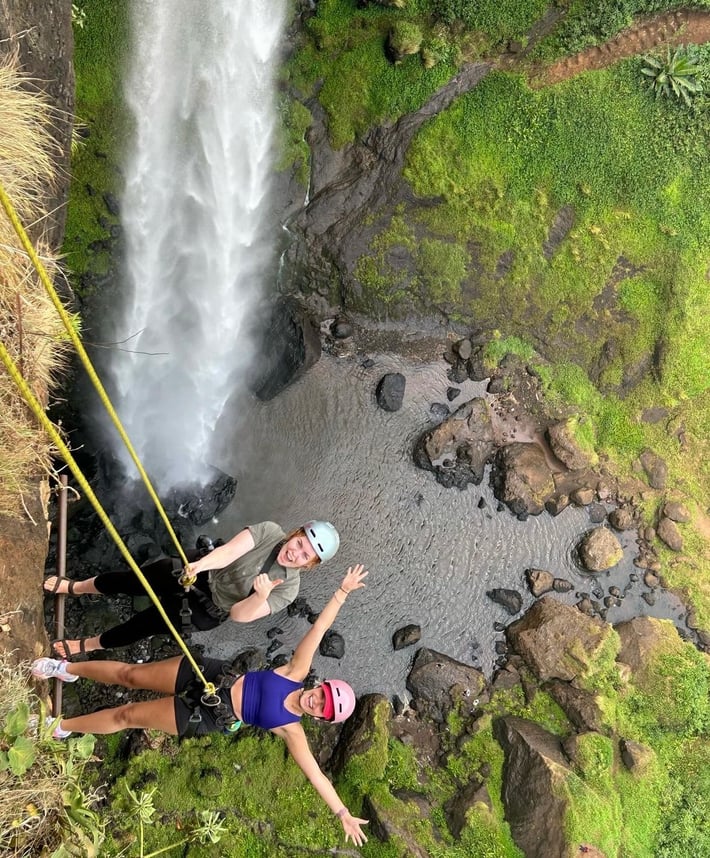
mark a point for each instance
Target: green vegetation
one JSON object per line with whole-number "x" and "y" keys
{"x": 103, "y": 126}
{"x": 676, "y": 75}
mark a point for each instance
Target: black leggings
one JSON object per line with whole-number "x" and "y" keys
{"x": 149, "y": 622}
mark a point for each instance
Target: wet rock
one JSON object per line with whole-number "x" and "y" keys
{"x": 452, "y": 393}
{"x": 406, "y": 636}
{"x": 248, "y": 660}
{"x": 616, "y": 592}
{"x": 534, "y": 769}
{"x": 676, "y": 511}
{"x": 332, "y": 645}
{"x": 476, "y": 368}
{"x": 439, "y": 684}
{"x": 565, "y": 446}
{"x": 273, "y": 646}
{"x": 669, "y": 534}
{"x": 368, "y": 363}
{"x": 522, "y": 478}
{"x": 482, "y": 503}
{"x": 273, "y": 632}
{"x": 463, "y": 349}
{"x": 499, "y": 627}
{"x": 556, "y": 640}
{"x": 390, "y": 391}
{"x": 562, "y": 585}
{"x": 500, "y": 647}
{"x": 621, "y": 518}
{"x": 439, "y": 411}
{"x": 582, "y": 496}
{"x": 511, "y": 600}
{"x": 458, "y": 450}
{"x": 655, "y": 468}
{"x": 298, "y": 608}
{"x": 611, "y": 602}
{"x": 556, "y": 504}
{"x": 539, "y": 581}
{"x": 649, "y": 598}
{"x": 201, "y": 503}
{"x": 599, "y": 550}
{"x": 289, "y": 346}
{"x": 597, "y": 513}
{"x": 112, "y": 204}
{"x": 458, "y": 372}
{"x": 585, "y": 606}
{"x": 342, "y": 328}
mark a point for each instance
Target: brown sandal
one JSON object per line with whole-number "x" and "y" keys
{"x": 67, "y": 655}
{"x": 53, "y": 590}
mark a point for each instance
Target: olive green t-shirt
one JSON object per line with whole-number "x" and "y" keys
{"x": 234, "y": 582}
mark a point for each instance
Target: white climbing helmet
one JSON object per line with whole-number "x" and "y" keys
{"x": 323, "y": 537}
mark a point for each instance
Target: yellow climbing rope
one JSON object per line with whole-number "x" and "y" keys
{"x": 66, "y": 319}
{"x": 47, "y": 425}
{"x": 56, "y": 438}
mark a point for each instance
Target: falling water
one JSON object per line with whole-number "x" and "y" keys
{"x": 197, "y": 250}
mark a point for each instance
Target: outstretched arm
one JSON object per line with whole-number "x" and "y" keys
{"x": 302, "y": 657}
{"x": 225, "y": 554}
{"x": 297, "y": 744}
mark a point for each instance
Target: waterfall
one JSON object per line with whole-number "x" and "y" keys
{"x": 200, "y": 90}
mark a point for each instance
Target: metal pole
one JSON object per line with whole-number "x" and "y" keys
{"x": 61, "y": 573}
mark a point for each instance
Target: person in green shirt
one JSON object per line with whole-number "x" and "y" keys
{"x": 255, "y": 574}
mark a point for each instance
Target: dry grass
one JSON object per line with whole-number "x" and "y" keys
{"x": 29, "y": 326}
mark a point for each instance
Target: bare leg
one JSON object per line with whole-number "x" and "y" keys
{"x": 69, "y": 587}
{"x": 157, "y": 676}
{"x": 152, "y": 715}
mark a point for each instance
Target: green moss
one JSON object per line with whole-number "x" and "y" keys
{"x": 294, "y": 154}
{"x": 99, "y": 52}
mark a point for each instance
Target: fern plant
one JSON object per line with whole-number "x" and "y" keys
{"x": 675, "y": 74}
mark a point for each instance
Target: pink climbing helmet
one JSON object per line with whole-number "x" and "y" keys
{"x": 339, "y": 700}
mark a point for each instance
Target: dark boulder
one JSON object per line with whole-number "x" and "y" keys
{"x": 406, "y": 636}
{"x": 332, "y": 645}
{"x": 440, "y": 684}
{"x": 458, "y": 449}
{"x": 390, "y": 391}
{"x": 511, "y": 600}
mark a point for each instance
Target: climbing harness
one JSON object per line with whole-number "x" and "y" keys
{"x": 36, "y": 408}
{"x": 196, "y": 700}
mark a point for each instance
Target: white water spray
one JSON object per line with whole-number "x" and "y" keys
{"x": 201, "y": 92}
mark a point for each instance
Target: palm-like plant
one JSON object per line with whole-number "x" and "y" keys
{"x": 676, "y": 74}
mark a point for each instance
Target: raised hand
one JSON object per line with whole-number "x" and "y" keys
{"x": 351, "y": 825}
{"x": 354, "y": 578}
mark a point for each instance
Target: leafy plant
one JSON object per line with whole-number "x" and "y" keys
{"x": 209, "y": 829}
{"x": 675, "y": 74}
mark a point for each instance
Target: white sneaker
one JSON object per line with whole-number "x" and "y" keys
{"x": 58, "y": 732}
{"x": 52, "y": 668}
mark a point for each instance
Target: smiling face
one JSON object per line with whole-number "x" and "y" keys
{"x": 313, "y": 701}
{"x": 296, "y": 552}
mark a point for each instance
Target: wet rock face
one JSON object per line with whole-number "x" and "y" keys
{"x": 458, "y": 449}
{"x": 522, "y": 479}
{"x": 599, "y": 550}
{"x": 290, "y": 345}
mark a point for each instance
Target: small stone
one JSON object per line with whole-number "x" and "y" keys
{"x": 342, "y": 328}
{"x": 511, "y": 600}
{"x": 482, "y": 503}
{"x": 273, "y": 632}
{"x": 562, "y": 585}
{"x": 406, "y": 636}
{"x": 582, "y": 496}
{"x": 452, "y": 393}
{"x": 615, "y": 591}
{"x": 501, "y": 647}
{"x": 676, "y": 512}
{"x": 669, "y": 533}
{"x": 390, "y": 391}
{"x": 539, "y": 581}
{"x": 597, "y": 513}
{"x": 439, "y": 411}
{"x": 556, "y": 504}
{"x": 463, "y": 349}
{"x": 621, "y": 519}
{"x": 368, "y": 363}
{"x": 650, "y": 580}
{"x": 499, "y": 627}
{"x": 610, "y": 602}
{"x": 649, "y": 598}
{"x": 332, "y": 645}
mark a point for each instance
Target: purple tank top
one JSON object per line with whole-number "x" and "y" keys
{"x": 263, "y": 696}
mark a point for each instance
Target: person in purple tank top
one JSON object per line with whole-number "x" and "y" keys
{"x": 274, "y": 700}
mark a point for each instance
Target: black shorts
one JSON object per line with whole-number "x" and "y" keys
{"x": 189, "y": 689}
